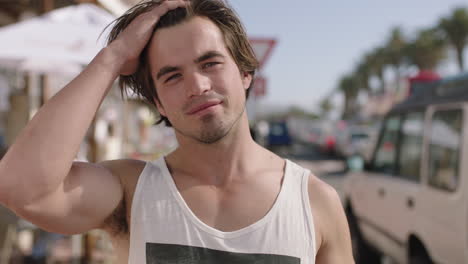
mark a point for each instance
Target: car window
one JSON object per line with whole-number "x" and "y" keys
{"x": 277, "y": 130}
{"x": 385, "y": 155}
{"x": 359, "y": 136}
{"x": 444, "y": 149}
{"x": 411, "y": 146}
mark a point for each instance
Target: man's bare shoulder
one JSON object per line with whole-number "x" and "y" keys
{"x": 333, "y": 240}
{"x": 128, "y": 170}
{"x": 322, "y": 195}
{"x": 322, "y": 198}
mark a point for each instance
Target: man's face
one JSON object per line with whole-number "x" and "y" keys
{"x": 201, "y": 90}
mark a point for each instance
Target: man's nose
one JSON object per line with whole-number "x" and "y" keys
{"x": 197, "y": 84}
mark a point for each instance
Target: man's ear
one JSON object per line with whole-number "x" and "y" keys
{"x": 160, "y": 108}
{"x": 246, "y": 80}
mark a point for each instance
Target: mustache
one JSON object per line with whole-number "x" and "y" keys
{"x": 201, "y": 100}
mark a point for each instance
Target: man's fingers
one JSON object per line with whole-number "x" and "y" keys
{"x": 136, "y": 36}
{"x": 157, "y": 12}
{"x": 169, "y": 5}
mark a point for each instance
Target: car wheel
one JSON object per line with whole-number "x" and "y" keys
{"x": 362, "y": 252}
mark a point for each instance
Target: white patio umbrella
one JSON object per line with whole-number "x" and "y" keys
{"x": 61, "y": 40}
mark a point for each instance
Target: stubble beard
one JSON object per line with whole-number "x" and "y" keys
{"x": 212, "y": 130}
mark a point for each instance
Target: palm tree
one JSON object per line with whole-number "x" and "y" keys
{"x": 349, "y": 87}
{"x": 455, "y": 29}
{"x": 395, "y": 52}
{"x": 326, "y": 106}
{"x": 427, "y": 50}
{"x": 363, "y": 74}
{"x": 377, "y": 60}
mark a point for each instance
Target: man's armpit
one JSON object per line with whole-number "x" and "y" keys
{"x": 117, "y": 224}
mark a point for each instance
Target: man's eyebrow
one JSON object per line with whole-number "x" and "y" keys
{"x": 208, "y": 55}
{"x": 166, "y": 70}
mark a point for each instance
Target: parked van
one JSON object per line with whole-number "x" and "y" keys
{"x": 410, "y": 201}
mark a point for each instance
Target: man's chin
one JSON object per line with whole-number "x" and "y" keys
{"x": 209, "y": 133}
{"x": 211, "y": 136}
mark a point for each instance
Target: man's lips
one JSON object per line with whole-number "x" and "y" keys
{"x": 203, "y": 106}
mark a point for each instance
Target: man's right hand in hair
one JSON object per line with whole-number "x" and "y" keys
{"x": 132, "y": 40}
{"x": 39, "y": 179}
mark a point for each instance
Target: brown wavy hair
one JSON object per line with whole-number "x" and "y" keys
{"x": 218, "y": 11}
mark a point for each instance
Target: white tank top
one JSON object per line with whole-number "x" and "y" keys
{"x": 164, "y": 229}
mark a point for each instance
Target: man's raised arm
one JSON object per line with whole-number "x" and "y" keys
{"x": 38, "y": 178}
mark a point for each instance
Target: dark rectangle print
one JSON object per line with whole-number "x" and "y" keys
{"x": 171, "y": 254}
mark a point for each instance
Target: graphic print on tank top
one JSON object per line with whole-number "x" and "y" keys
{"x": 170, "y": 254}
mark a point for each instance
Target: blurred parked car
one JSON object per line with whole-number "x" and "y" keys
{"x": 410, "y": 202}
{"x": 278, "y": 134}
{"x": 330, "y": 133}
{"x": 304, "y": 130}
{"x": 355, "y": 140}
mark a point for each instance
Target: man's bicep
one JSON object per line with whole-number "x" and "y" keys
{"x": 88, "y": 195}
{"x": 335, "y": 244}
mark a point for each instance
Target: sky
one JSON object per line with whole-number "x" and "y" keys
{"x": 319, "y": 41}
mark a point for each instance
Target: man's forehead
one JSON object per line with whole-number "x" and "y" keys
{"x": 186, "y": 41}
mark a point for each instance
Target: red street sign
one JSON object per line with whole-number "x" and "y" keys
{"x": 263, "y": 48}
{"x": 259, "y": 86}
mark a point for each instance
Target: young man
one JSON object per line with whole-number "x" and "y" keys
{"x": 218, "y": 198}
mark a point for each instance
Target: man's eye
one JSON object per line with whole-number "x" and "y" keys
{"x": 209, "y": 64}
{"x": 172, "y": 77}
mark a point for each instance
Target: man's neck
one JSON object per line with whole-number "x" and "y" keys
{"x": 220, "y": 162}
